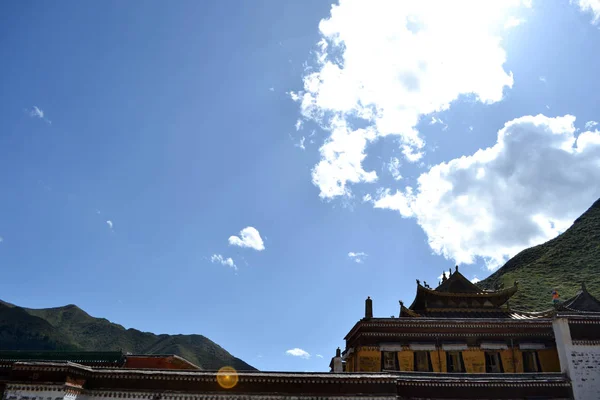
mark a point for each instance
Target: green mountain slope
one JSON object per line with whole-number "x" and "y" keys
{"x": 71, "y": 328}
{"x": 561, "y": 263}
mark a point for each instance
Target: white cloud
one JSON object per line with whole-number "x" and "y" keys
{"x": 358, "y": 257}
{"x": 435, "y": 121}
{"x": 110, "y": 224}
{"x": 296, "y": 352}
{"x": 249, "y": 237}
{"x": 590, "y": 124}
{"x": 37, "y": 112}
{"x": 524, "y": 190}
{"x": 475, "y": 280}
{"x": 542, "y": 79}
{"x": 219, "y": 259}
{"x": 271, "y": 89}
{"x": 512, "y": 22}
{"x": 319, "y": 356}
{"x": 386, "y": 64}
{"x": 301, "y": 143}
{"x": 394, "y": 168}
{"x": 299, "y": 124}
{"x": 592, "y": 6}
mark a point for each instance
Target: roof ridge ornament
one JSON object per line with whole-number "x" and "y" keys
{"x": 456, "y": 268}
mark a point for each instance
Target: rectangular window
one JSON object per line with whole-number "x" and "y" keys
{"x": 531, "y": 363}
{"x": 389, "y": 360}
{"x": 454, "y": 361}
{"x": 493, "y": 362}
{"x": 423, "y": 361}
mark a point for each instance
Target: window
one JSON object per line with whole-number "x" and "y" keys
{"x": 531, "y": 363}
{"x": 423, "y": 361}
{"x": 389, "y": 361}
{"x": 493, "y": 362}
{"x": 454, "y": 361}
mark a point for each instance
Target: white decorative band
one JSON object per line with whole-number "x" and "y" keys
{"x": 390, "y": 347}
{"x": 454, "y": 346}
{"x": 531, "y": 346}
{"x": 422, "y": 346}
{"x": 493, "y": 346}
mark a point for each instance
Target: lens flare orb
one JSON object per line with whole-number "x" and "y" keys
{"x": 227, "y": 377}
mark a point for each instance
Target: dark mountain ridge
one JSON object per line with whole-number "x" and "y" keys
{"x": 71, "y": 328}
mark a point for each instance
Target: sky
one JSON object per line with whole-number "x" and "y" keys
{"x": 252, "y": 171}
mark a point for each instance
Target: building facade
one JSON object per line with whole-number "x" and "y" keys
{"x": 453, "y": 342}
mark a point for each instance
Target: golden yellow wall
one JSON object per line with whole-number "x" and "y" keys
{"x": 406, "y": 359}
{"x": 549, "y": 360}
{"x": 512, "y": 360}
{"x": 350, "y": 363}
{"x": 474, "y": 360}
{"x": 369, "y": 359}
{"x": 437, "y": 358}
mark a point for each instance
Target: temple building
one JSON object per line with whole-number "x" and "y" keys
{"x": 459, "y": 328}
{"x": 456, "y": 341}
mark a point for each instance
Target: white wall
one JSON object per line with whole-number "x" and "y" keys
{"x": 584, "y": 366}
{"x": 12, "y": 394}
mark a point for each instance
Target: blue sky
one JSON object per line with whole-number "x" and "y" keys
{"x": 138, "y": 139}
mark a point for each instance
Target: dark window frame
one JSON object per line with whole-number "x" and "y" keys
{"x": 396, "y": 361}
{"x": 536, "y": 360}
{"x": 429, "y": 364}
{"x": 460, "y": 360}
{"x": 488, "y": 355}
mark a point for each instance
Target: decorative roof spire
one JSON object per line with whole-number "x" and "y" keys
{"x": 450, "y": 270}
{"x": 369, "y": 307}
{"x": 456, "y": 268}
{"x": 338, "y": 352}
{"x": 444, "y": 276}
{"x": 418, "y": 282}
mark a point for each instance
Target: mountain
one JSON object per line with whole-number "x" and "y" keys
{"x": 562, "y": 263}
{"x": 71, "y": 328}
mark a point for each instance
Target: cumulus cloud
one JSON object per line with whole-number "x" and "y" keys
{"x": 249, "y": 237}
{"x": 381, "y": 66}
{"x": 219, "y": 259}
{"x": 110, "y": 224}
{"x": 512, "y": 22}
{"x": 591, "y": 6}
{"x": 358, "y": 257}
{"x": 475, "y": 279}
{"x": 296, "y": 352}
{"x": 522, "y": 191}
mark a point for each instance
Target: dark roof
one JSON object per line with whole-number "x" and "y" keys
{"x": 458, "y": 283}
{"x": 82, "y": 357}
{"x": 502, "y": 314}
{"x": 582, "y": 302}
{"x": 427, "y": 297}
